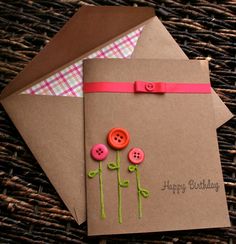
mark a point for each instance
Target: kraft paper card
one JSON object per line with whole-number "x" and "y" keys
{"x": 152, "y": 160}
{"x": 49, "y": 89}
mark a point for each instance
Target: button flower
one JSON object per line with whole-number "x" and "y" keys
{"x": 118, "y": 138}
{"x": 136, "y": 157}
{"x": 99, "y": 152}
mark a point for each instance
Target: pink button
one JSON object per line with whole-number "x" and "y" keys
{"x": 99, "y": 152}
{"x": 136, "y": 155}
{"x": 149, "y": 86}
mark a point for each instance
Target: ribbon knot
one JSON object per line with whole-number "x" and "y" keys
{"x": 150, "y": 87}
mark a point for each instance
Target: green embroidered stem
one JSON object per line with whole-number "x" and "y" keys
{"x": 141, "y": 191}
{"x": 103, "y": 214}
{"x": 92, "y": 174}
{"x": 119, "y": 187}
{"x": 120, "y": 183}
{"x": 140, "y": 214}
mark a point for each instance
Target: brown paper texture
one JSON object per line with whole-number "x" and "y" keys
{"x": 177, "y": 134}
{"x": 89, "y": 28}
{"x": 163, "y": 46}
{"x": 53, "y": 129}
{"x": 41, "y": 120}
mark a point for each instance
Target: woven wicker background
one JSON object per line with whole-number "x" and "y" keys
{"x": 30, "y": 209}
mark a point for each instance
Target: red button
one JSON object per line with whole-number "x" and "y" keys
{"x": 149, "y": 86}
{"x": 99, "y": 152}
{"x": 136, "y": 155}
{"x": 118, "y": 138}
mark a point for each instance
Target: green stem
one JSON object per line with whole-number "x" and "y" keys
{"x": 103, "y": 214}
{"x": 119, "y": 187}
{"x": 139, "y": 193}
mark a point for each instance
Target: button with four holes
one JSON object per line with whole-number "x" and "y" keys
{"x": 118, "y": 138}
{"x": 136, "y": 155}
{"x": 149, "y": 86}
{"x": 99, "y": 152}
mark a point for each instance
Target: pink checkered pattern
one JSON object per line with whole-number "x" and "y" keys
{"x": 68, "y": 82}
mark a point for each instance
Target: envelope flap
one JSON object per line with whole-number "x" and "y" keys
{"x": 87, "y": 29}
{"x": 53, "y": 131}
{"x": 158, "y": 43}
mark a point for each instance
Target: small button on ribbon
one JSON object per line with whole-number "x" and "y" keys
{"x": 150, "y": 87}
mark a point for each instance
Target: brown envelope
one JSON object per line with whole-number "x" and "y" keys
{"x": 179, "y": 185}
{"x": 53, "y": 126}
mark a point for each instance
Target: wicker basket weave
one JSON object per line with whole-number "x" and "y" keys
{"x": 30, "y": 209}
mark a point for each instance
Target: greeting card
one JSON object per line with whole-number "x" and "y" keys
{"x": 152, "y": 160}
{"x": 45, "y": 100}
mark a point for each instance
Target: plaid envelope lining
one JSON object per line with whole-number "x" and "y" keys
{"x": 68, "y": 82}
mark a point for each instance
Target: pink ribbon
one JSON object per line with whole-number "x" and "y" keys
{"x": 146, "y": 87}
